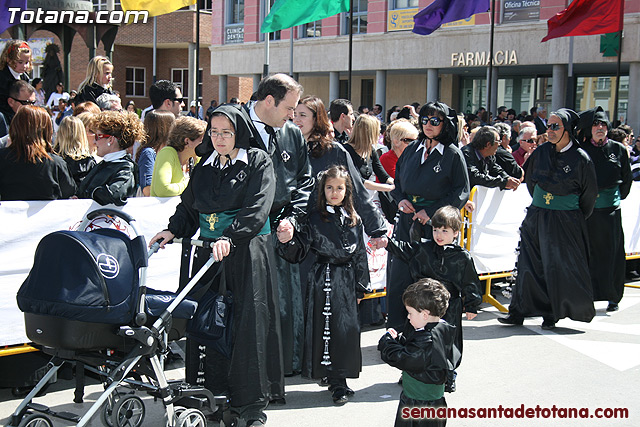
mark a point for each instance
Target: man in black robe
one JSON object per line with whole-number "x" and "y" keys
{"x": 606, "y": 238}
{"x": 504, "y": 158}
{"x": 482, "y": 168}
{"x": 271, "y": 115}
{"x": 553, "y": 279}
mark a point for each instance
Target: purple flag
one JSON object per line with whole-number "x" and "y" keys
{"x": 5, "y": 15}
{"x": 440, "y": 12}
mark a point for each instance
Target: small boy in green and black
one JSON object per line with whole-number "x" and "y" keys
{"x": 425, "y": 355}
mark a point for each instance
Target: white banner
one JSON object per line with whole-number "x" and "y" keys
{"x": 24, "y": 224}
{"x": 498, "y": 215}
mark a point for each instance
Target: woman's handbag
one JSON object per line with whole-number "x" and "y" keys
{"x": 212, "y": 323}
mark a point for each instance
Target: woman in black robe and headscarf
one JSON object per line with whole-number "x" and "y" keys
{"x": 606, "y": 238}
{"x": 430, "y": 174}
{"x": 228, "y": 198}
{"x": 553, "y": 279}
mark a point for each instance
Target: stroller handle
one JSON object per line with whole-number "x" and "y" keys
{"x": 110, "y": 212}
{"x": 193, "y": 242}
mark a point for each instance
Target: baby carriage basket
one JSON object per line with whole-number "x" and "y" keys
{"x": 85, "y": 301}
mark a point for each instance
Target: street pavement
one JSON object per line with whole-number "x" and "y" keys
{"x": 577, "y": 365}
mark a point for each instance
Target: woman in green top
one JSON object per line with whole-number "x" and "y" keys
{"x": 169, "y": 177}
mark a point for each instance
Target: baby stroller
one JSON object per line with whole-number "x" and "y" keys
{"x": 99, "y": 314}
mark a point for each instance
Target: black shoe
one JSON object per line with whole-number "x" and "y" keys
{"x": 255, "y": 423}
{"x": 511, "y": 320}
{"x": 324, "y": 382}
{"x": 548, "y": 324}
{"x": 339, "y": 396}
{"x": 632, "y": 276}
{"x": 278, "y": 401}
{"x": 613, "y": 306}
{"x": 349, "y": 391}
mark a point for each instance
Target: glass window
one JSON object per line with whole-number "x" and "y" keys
{"x": 592, "y": 92}
{"x": 135, "y": 81}
{"x": 102, "y": 5}
{"x": 235, "y": 10}
{"x": 180, "y": 76}
{"x": 360, "y": 8}
{"x": 404, "y": 4}
{"x": 310, "y": 30}
{"x": 205, "y": 4}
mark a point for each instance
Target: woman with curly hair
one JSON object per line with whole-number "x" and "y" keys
{"x": 115, "y": 178}
{"x": 29, "y": 170}
{"x": 169, "y": 177}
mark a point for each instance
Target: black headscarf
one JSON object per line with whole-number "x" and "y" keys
{"x": 569, "y": 119}
{"x": 585, "y": 123}
{"x": 239, "y": 119}
{"x": 449, "y": 133}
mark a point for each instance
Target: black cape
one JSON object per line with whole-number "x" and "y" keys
{"x": 553, "y": 277}
{"x": 254, "y": 373}
{"x": 453, "y": 267}
{"x": 508, "y": 163}
{"x": 110, "y": 182}
{"x": 339, "y": 247}
{"x": 91, "y": 93}
{"x": 442, "y": 179}
{"x": 606, "y": 237}
{"x": 483, "y": 172}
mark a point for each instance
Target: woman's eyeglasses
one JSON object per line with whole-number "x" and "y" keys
{"x": 530, "y": 141}
{"x": 435, "y": 121}
{"x": 555, "y": 126}
{"x": 101, "y": 136}
{"x": 225, "y": 134}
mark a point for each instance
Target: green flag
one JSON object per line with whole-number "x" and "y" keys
{"x": 289, "y": 13}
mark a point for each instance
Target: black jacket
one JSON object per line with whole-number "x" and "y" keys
{"x": 483, "y": 172}
{"x": 426, "y": 355}
{"x": 6, "y": 78}
{"x": 91, "y": 93}
{"x": 110, "y": 182}
{"x": 46, "y": 180}
{"x": 506, "y": 161}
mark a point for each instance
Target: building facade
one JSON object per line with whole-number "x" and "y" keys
{"x": 393, "y": 66}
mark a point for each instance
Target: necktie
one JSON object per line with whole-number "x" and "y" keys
{"x": 272, "y": 136}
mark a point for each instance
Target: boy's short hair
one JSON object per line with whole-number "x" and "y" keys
{"x": 427, "y": 294}
{"x": 448, "y": 217}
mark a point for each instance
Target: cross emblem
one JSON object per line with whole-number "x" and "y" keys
{"x": 212, "y": 219}
{"x": 415, "y": 199}
{"x": 548, "y": 198}
{"x": 285, "y": 156}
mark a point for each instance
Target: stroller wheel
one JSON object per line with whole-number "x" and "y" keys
{"x": 35, "y": 420}
{"x": 128, "y": 412}
{"x": 191, "y": 418}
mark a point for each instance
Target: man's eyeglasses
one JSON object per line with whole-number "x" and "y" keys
{"x": 530, "y": 141}
{"x": 23, "y": 102}
{"x": 435, "y": 121}
{"x": 179, "y": 100}
{"x": 599, "y": 122}
{"x": 407, "y": 140}
{"x": 554, "y": 126}
{"x": 225, "y": 134}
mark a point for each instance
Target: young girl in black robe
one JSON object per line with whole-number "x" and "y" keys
{"x": 337, "y": 279}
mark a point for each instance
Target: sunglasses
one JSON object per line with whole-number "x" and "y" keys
{"x": 435, "y": 121}
{"x": 102, "y": 136}
{"x": 406, "y": 140}
{"x": 23, "y": 102}
{"x": 530, "y": 141}
{"x": 177, "y": 99}
{"x": 554, "y": 126}
{"x": 599, "y": 122}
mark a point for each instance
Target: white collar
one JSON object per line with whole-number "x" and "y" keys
{"x": 438, "y": 147}
{"x": 114, "y": 156}
{"x": 566, "y": 147}
{"x": 257, "y": 120}
{"x": 241, "y": 157}
{"x": 332, "y": 209}
{"x": 15, "y": 74}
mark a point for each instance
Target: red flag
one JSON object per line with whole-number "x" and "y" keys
{"x": 587, "y": 18}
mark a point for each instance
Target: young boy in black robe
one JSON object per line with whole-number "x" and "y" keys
{"x": 425, "y": 355}
{"x": 442, "y": 259}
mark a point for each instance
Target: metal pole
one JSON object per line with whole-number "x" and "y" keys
{"x": 615, "y": 106}
{"x": 155, "y": 47}
{"x": 197, "y": 79}
{"x": 265, "y": 67}
{"x": 490, "y": 76}
{"x": 291, "y": 51}
{"x": 350, "y": 49}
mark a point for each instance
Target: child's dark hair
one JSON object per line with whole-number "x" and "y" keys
{"x": 427, "y": 294}
{"x": 448, "y": 217}
{"x": 341, "y": 173}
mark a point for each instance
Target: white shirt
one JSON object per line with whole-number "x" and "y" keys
{"x": 241, "y": 157}
{"x": 114, "y": 156}
{"x": 423, "y": 147}
{"x": 332, "y": 209}
{"x": 264, "y": 135}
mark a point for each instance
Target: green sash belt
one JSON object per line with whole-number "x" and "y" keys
{"x": 212, "y": 225}
{"x": 608, "y": 197}
{"x": 420, "y": 201}
{"x": 545, "y": 200}
{"x": 420, "y": 391}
